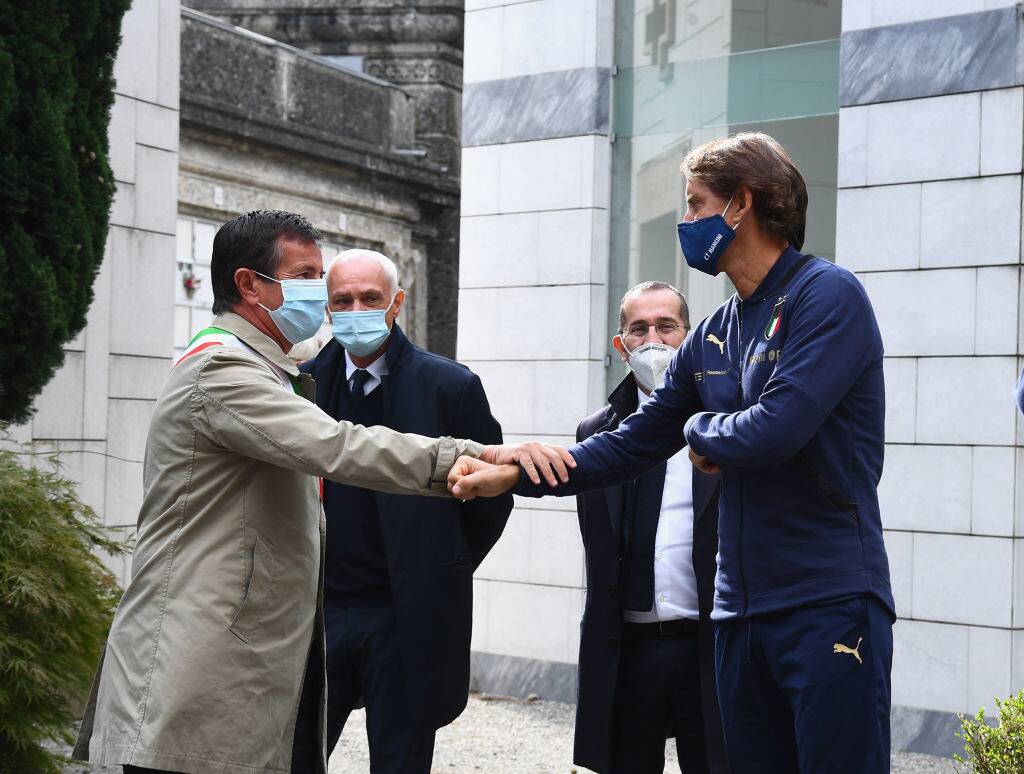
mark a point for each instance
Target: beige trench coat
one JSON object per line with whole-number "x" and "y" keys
{"x": 205, "y": 659}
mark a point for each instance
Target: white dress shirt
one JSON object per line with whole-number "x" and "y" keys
{"x": 376, "y": 369}
{"x": 675, "y": 583}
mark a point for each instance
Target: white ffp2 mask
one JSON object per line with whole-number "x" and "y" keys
{"x": 649, "y": 363}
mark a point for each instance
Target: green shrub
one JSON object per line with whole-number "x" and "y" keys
{"x": 56, "y": 602}
{"x": 995, "y": 749}
{"x": 56, "y": 89}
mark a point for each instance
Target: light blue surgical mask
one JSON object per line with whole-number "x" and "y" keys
{"x": 361, "y": 333}
{"x": 302, "y": 311}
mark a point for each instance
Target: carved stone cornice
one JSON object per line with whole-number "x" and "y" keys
{"x": 414, "y": 70}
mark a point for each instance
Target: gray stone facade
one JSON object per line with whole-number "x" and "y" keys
{"x": 893, "y": 62}
{"x": 564, "y": 103}
{"x": 266, "y": 125}
{"x": 416, "y": 46}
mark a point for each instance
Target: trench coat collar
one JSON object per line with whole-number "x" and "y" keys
{"x": 257, "y": 339}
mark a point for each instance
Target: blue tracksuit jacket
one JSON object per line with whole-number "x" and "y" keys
{"x": 784, "y": 390}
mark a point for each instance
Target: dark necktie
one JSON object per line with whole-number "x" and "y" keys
{"x": 359, "y": 380}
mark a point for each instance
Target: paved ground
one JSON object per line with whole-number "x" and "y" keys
{"x": 506, "y": 736}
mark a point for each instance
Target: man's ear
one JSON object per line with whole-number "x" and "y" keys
{"x": 742, "y": 204}
{"x": 620, "y": 347}
{"x": 397, "y": 305}
{"x": 245, "y": 281}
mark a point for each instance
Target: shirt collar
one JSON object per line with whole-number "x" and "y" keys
{"x": 377, "y": 368}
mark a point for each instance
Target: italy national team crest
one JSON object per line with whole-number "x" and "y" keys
{"x": 776, "y": 319}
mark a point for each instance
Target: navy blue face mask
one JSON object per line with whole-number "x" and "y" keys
{"x": 703, "y": 241}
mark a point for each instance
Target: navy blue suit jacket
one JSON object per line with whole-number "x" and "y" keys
{"x": 433, "y": 544}
{"x": 602, "y": 514}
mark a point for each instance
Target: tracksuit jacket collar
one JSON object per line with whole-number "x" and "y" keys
{"x": 773, "y": 279}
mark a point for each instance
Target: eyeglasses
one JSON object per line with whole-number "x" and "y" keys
{"x": 638, "y": 331}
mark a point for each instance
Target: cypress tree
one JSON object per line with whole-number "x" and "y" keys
{"x": 56, "y": 187}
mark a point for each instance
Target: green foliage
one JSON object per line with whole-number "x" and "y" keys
{"x": 56, "y": 603}
{"x": 995, "y": 749}
{"x": 56, "y": 187}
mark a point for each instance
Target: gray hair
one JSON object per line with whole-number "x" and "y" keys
{"x": 389, "y": 267}
{"x": 649, "y": 287}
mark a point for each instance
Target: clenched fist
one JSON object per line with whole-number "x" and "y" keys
{"x": 470, "y": 477}
{"x": 703, "y": 464}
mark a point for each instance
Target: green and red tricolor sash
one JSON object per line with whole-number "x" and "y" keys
{"x": 209, "y": 337}
{"x": 776, "y": 319}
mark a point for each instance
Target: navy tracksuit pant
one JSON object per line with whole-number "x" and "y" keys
{"x": 807, "y": 690}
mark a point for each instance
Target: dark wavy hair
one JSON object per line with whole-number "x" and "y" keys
{"x": 758, "y": 161}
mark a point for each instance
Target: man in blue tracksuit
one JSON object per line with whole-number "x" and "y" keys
{"x": 780, "y": 388}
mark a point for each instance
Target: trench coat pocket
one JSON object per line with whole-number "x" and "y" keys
{"x": 259, "y": 594}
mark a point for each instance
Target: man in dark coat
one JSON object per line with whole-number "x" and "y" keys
{"x": 398, "y": 581}
{"x": 646, "y": 664}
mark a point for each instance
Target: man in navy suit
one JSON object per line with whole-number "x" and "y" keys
{"x": 398, "y": 581}
{"x": 646, "y": 664}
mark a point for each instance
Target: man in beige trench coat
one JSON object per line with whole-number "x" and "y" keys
{"x": 219, "y": 632}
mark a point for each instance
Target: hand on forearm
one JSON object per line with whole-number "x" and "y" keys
{"x": 470, "y": 478}
{"x": 537, "y": 459}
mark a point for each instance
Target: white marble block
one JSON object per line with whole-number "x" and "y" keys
{"x": 930, "y": 665}
{"x": 924, "y": 139}
{"x": 963, "y": 579}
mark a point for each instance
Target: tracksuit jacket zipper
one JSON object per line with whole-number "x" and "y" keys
{"x": 739, "y": 473}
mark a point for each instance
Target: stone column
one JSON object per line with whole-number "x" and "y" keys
{"x": 929, "y": 216}
{"x": 533, "y": 301}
